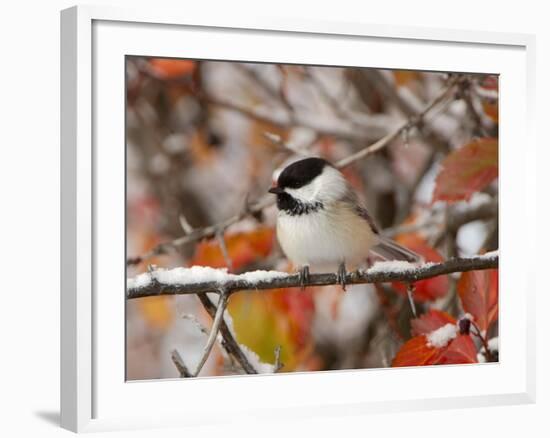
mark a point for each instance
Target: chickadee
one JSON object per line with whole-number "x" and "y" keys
{"x": 321, "y": 222}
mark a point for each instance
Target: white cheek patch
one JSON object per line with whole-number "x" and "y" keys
{"x": 330, "y": 185}
{"x": 308, "y": 193}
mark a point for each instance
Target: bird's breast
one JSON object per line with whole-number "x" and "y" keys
{"x": 325, "y": 237}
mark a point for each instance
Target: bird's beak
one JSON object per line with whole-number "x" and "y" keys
{"x": 276, "y": 190}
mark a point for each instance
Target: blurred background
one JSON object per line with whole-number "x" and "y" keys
{"x": 204, "y": 140}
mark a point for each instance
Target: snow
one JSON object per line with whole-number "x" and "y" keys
{"x": 261, "y": 276}
{"x": 442, "y": 336}
{"x": 195, "y": 274}
{"x": 470, "y": 237}
{"x": 257, "y": 364}
{"x": 200, "y": 274}
{"x": 393, "y": 266}
{"x": 493, "y": 344}
{"x": 139, "y": 281}
{"x": 253, "y": 358}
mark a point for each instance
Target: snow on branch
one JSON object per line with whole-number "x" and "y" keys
{"x": 200, "y": 279}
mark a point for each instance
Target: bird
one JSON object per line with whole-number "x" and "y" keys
{"x": 321, "y": 222}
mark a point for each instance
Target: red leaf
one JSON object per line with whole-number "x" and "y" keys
{"x": 414, "y": 352}
{"x": 467, "y": 170}
{"x": 430, "y": 321}
{"x": 490, "y": 82}
{"x": 299, "y": 307}
{"x": 478, "y": 291}
{"x": 431, "y": 288}
{"x": 460, "y": 350}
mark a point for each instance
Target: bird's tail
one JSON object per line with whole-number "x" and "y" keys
{"x": 387, "y": 249}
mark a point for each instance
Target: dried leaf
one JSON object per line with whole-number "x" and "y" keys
{"x": 460, "y": 350}
{"x": 430, "y": 321}
{"x": 478, "y": 292}
{"x": 415, "y": 352}
{"x": 467, "y": 170}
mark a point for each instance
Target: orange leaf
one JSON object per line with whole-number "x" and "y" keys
{"x": 404, "y": 77}
{"x": 491, "y": 109}
{"x": 478, "y": 291}
{"x": 415, "y": 352}
{"x": 430, "y": 321}
{"x": 467, "y": 170}
{"x": 243, "y": 248}
{"x": 165, "y": 68}
{"x": 431, "y": 288}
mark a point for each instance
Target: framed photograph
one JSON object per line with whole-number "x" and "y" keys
{"x": 291, "y": 217}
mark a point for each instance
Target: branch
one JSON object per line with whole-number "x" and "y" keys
{"x": 229, "y": 342}
{"x": 218, "y": 317}
{"x": 412, "y": 121}
{"x": 180, "y": 365}
{"x": 331, "y": 126}
{"x": 267, "y": 200}
{"x": 459, "y": 215}
{"x": 198, "y": 279}
{"x": 405, "y": 106}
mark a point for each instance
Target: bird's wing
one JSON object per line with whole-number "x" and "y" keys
{"x": 351, "y": 199}
{"x": 365, "y": 215}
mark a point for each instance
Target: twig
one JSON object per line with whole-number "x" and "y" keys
{"x": 151, "y": 285}
{"x": 291, "y": 148}
{"x": 264, "y": 85}
{"x": 185, "y": 225}
{"x": 268, "y": 200}
{"x": 332, "y": 102}
{"x": 384, "y": 141}
{"x": 459, "y": 215}
{"x": 484, "y": 342}
{"x": 218, "y": 317}
{"x": 332, "y": 127}
{"x": 410, "y": 296}
{"x": 465, "y": 92}
{"x": 278, "y": 364}
{"x": 393, "y": 93}
{"x": 228, "y": 340}
{"x": 180, "y": 365}
{"x": 194, "y": 320}
{"x": 223, "y": 247}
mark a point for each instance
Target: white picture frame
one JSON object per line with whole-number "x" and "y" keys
{"x": 93, "y": 395}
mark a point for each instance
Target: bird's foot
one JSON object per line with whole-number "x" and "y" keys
{"x": 304, "y": 276}
{"x": 341, "y": 275}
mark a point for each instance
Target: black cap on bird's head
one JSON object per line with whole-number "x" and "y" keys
{"x": 299, "y": 173}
